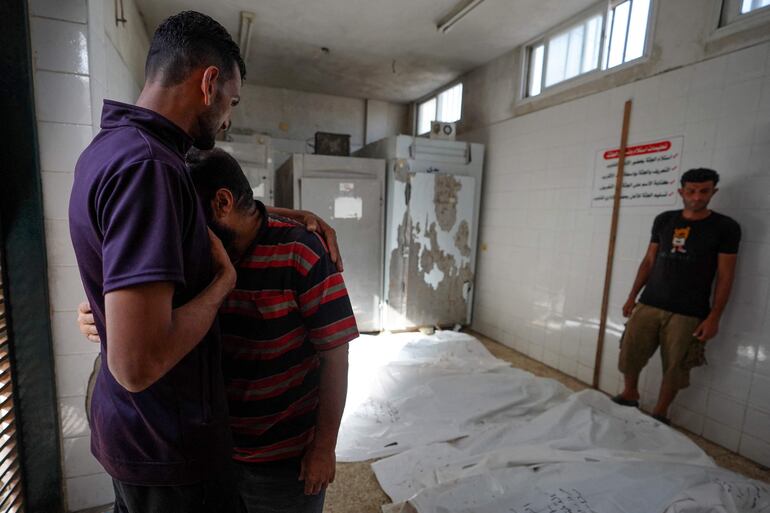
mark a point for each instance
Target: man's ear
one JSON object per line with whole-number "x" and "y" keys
{"x": 222, "y": 203}
{"x": 208, "y": 84}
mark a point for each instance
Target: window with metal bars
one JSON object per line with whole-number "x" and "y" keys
{"x": 11, "y": 496}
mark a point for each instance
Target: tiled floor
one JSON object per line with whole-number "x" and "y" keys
{"x": 355, "y": 489}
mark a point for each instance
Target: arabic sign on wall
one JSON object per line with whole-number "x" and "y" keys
{"x": 650, "y": 178}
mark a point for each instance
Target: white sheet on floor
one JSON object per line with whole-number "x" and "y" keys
{"x": 409, "y": 390}
{"x": 598, "y": 487}
{"x": 587, "y": 427}
{"x": 468, "y": 434}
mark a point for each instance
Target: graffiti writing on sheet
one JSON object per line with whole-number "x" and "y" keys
{"x": 561, "y": 501}
{"x": 747, "y": 495}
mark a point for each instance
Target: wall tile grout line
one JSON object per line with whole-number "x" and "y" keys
{"x": 84, "y": 23}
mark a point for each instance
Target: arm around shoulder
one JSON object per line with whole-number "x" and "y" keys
{"x": 147, "y": 337}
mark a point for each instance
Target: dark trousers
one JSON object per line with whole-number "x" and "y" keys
{"x": 276, "y": 489}
{"x": 215, "y": 496}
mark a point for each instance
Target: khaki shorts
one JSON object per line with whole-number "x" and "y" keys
{"x": 680, "y": 351}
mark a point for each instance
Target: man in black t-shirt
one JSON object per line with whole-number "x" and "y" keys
{"x": 687, "y": 250}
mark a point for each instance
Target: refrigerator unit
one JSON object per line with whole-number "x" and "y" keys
{"x": 348, "y": 194}
{"x": 431, "y": 229}
{"x": 254, "y": 154}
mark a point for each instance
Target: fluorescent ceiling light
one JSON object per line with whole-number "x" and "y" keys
{"x": 457, "y": 14}
{"x": 244, "y": 34}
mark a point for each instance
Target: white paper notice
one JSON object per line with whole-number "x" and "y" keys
{"x": 259, "y": 191}
{"x": 346, "y": 207}
{"x": 650, "y": 178}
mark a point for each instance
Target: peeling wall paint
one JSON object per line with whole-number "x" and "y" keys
{"x": 462, "y": 238}
{"x": 445, "y": 200}
{"x": 430, "y": 265}
{"x": 432, "y": 212}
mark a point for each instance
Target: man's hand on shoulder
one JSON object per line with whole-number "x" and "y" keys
{"x": 317, "y": 469}
{"x": 223, "y": 267}
{"x": 314, "y": 223}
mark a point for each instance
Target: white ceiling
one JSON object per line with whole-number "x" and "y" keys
{"x": 381, "y": 49}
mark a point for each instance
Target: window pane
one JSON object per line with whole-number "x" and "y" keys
{"x": 619, "y": 28}
{"x": 607, "y": 36}
{"x": 591, "y": 49}
{"x": 557, "y": 59}
{"x": 746, "y": 6}
{"x": 750, "y": 5}
{"x": 536, "y": 70}
{"x": 574, "y": 52}
{"x": 450, "y": 104}
{"x": 425, "y": 114}
{"x": 637, "y": 29}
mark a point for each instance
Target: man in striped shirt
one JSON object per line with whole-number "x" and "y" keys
{"x": 285, "y": 333}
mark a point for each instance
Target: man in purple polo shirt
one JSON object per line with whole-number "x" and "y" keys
{"x": 155, "y": 279}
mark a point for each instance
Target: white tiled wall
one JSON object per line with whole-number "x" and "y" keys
{"x": 51, "y": 87}
{"x": 111, "y": 75}
{"x": 65, "y": 10}
{"x": 541, "y": 266}
{"x": 291, "y": 118}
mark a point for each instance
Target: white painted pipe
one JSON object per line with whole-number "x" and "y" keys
{"x": 458, "y": 13}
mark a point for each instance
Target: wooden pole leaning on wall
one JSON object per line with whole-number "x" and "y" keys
{"x": 611, "y": 246}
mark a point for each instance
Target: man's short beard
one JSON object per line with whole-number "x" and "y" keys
{"x": 206, "y": 136}
{"x": 204, "y": 143}
{"x": 208, "y": 126}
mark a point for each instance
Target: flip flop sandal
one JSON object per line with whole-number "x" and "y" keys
{"x": 662, "y": 419}
{"x": 624, "y": 402}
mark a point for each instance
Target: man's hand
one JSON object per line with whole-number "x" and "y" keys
{"x": 223, "y": 267}
{"x": 222, "y": 264}
{"x": 707, "y": 329}
{"x": 317, "y": 469}
{"x": 86, "y": 322}
{"x": 313, "y": 223}
{"x": 642, "y": 275}
{"x": 628, "y": 308}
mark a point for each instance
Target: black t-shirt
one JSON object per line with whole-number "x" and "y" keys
{"x": 684, "y": 269}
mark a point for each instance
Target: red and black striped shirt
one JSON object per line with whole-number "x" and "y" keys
{"x": 288, "y": 304}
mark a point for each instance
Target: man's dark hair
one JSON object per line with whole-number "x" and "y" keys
{"x": 216, "y": 169}
{"x": 190, "y": 40}
{"x": 700, "y": 175}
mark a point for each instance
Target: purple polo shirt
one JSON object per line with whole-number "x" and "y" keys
{"x": 135, "y": 218}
